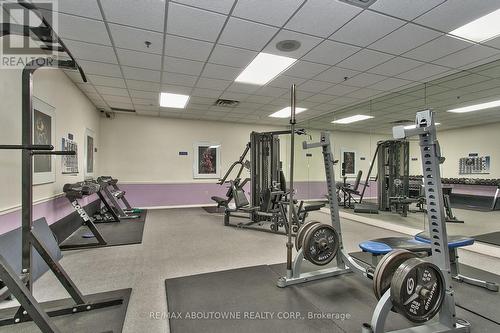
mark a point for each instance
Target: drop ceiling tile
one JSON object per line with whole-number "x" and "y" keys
{"x": 271, "y": 91}
{"x": 314, "y": 86}
{"x": 112, "y": 91}
{"x": 210, "y": 93}
{"x": 144, "y": 102}
{"x": 216, "y": 84}
{"x": 99, "y": 80}
{"x": 194, "y": 23}
{"x": 364, "y": 93}
{"x": 74, "y": 76}
{"x": 256, "y": 40}
{"x": 182, "y": 66}
{"x": 437, "y": 48}
{"x": 390, "y": 84}
{"x": 276, "y": 12}
{"x": 243, "y": 88}
{"x": 221, "y": 6}
{"x": 175, "y": 89}
{"x": 234, "y": 96}
{"x": 366, "y": 28}
{"x": 405, "y": 9}
{"x": 179, "y": 79}
{"x": 467, "y": 56}
{"x": 336, "y": 74}
{"x": 187, "y": 48}
{"x": 339, "y": 90}
{"x": 404, "y": 39}
{"x": 422, "y": 72}
{"x": 134, "y": 39}
{"x": 231, "y": 56}
{"x": 147, "y": 113}
{"x": 111, "y": 99}
{"x": 304, "y": 69}
{"x": 453, "y": 14}
{"x": 149, "y": 14}
{"x": 121, "y": 105}
{"x": 93, "y": 52}
{"x": 286, "y": 82}
{"x": 83, "y": 29}
{"x": 99, "y": 68}
{"x": 321, "y": 18}
{"x": 143, "y": 94}
{"x": 319, "y": 98}
{"x": 343, "y": 100}
{"x": 306, "y": 43}
{"x": 259, "y": 99}
{"x": 364, "y": 60}
{"x": 87, "y": 88}
{"x": 141, "y": 74}
{"x": 330, "y": 52}
{"x": 215, "y": 71}
{"x": 88, "y": 8}
{"x": 364, "y": 80}
{"x": 395, "y": 66}
{"x": 143, "y": 85}
{"x": 139, "y": 59}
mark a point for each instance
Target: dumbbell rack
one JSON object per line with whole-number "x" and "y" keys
{"x": 431, "y": 158}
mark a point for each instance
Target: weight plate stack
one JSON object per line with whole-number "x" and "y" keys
{"x": 301, "y": 233}
{"x": 417, "y": 290}
{"x": 321, "y": 243}
{"x": 385, "y": 270}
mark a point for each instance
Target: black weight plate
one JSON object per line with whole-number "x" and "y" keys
{"x": 417, "y": 290}
{"x": 385, "y": 270}
{"x": 321, "y": 243}
{"x": 302, "y": 231}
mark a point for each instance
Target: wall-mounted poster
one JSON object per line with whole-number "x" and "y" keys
{"x": 43, "y": 134}
{"x": 474, "y": 164}
{"x": 69, "y": 163}
{"x": 348, "y": 162}
{"x": 89, "y": 158}
{"x": 206, "y": 160}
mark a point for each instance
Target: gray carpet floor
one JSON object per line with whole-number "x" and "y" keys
{"x": 181, "y": 242}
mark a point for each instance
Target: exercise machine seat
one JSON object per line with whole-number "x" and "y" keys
{"x": 453, "y": 241}
{"x": 385, "y": 245}
{"x": 221, "y": 202}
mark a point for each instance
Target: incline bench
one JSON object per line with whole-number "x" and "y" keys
{"x": 421, "y": 244}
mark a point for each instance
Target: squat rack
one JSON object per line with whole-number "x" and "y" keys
{"x": 22, "y": 287}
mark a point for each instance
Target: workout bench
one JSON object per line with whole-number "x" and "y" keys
{"x": 421, "y": 244}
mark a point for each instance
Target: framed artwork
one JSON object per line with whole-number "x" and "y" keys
{"x": 349, "y": 162}
{"x": 69, "y": 164}
{"x": 89, "y": 158}
{"x": 44, "y": 128}
{"x": 206, "y": 160}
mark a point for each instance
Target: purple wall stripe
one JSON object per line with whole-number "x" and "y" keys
{"x": 53, "y": 210}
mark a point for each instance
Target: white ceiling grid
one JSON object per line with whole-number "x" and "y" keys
{"x": 348, "y": 55}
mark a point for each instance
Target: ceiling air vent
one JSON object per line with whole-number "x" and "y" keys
{"x": 122, "y": 110}
{"x": 226, "y": 103}
{"x": 360, "y": 3}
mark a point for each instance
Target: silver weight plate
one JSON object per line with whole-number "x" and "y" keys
{"x": 321, "y": 244}
{"x": 385, "y": 270}
{"x": 301, "y": 233}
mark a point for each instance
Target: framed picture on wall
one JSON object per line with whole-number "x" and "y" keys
{"x": 89, "y": 158}
{"x": 206, "y": 160}
{"x": 348, "y": 160}
{"x": 44, "y": 129}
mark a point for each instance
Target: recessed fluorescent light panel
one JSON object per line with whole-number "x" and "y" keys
{"x": 168, "y": 100}
{"x": 482, "y": 29}
{"x": 264, "y": 68}
{"x": 352, "y": 119}
{"x": 476, "y": 107}
{"x": 286, "y": 112}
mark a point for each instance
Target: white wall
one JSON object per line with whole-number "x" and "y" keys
{"x": 146, "y": 149}
{"x": 74, "y": 112}
{"x": 457, "y": 143}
